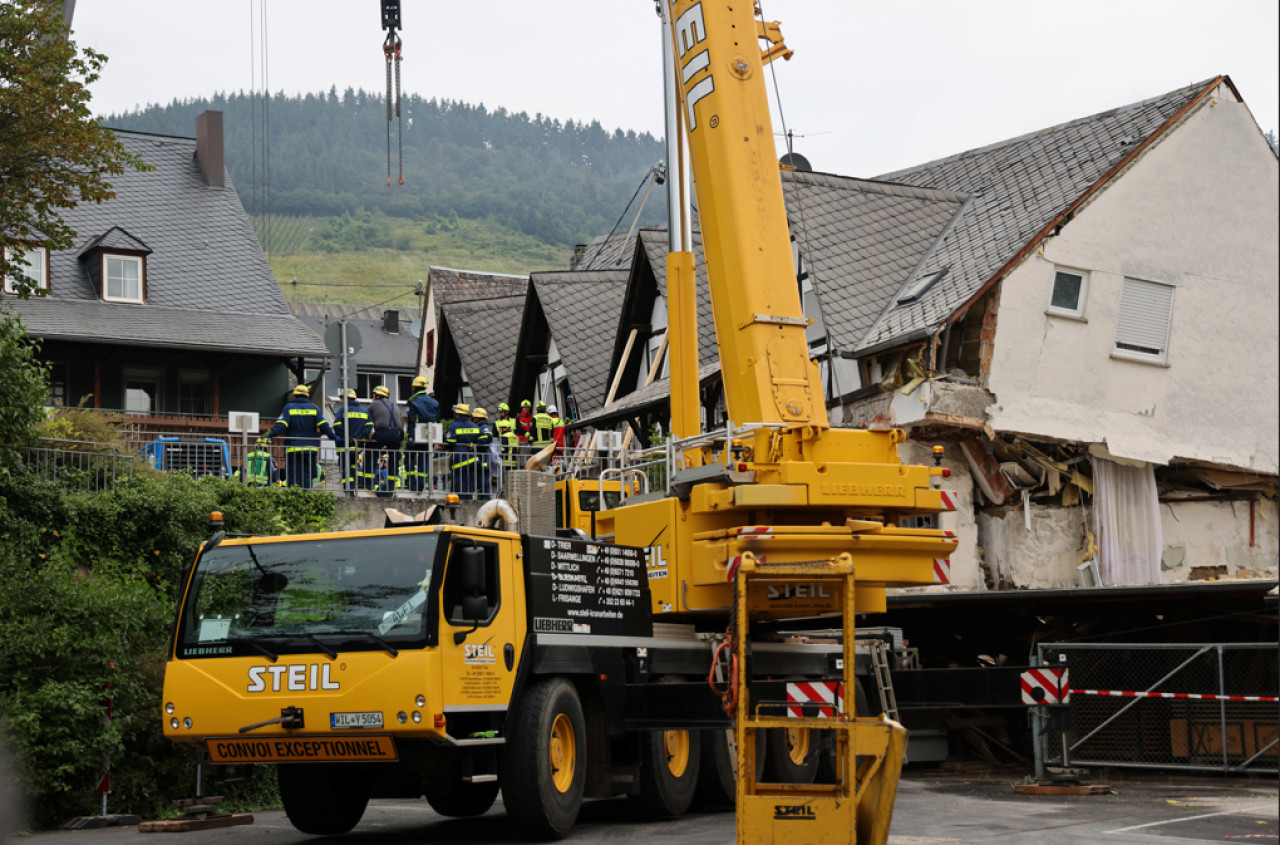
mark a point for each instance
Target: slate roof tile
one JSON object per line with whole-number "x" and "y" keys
{"x": 1018, "y": 186}
{"x": 482, "y": 331}
{"x": 209, "y": 285}
{"x": 582, "y": 310}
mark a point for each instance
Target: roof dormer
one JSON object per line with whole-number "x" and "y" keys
{"x": 116, "y": 263}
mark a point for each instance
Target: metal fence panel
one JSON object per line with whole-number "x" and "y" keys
{"x": 78, "y": 465}
{"x": 1167, "y": 706}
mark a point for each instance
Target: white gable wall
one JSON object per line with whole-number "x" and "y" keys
{"x": 1197, "y": 211}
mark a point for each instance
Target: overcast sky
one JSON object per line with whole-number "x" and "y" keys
{"x": 873, "y": 86}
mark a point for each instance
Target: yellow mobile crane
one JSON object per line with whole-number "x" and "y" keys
{"x": 454, "y": 662}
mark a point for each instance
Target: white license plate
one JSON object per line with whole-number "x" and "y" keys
{"x": 355, "y": 720}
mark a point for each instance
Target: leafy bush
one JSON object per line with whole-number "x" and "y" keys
{"x": 88, "y": 590}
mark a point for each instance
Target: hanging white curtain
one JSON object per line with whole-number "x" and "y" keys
{"x": 1127, "y": 515}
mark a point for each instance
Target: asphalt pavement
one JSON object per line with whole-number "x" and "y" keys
{"x": 931, "y": 810}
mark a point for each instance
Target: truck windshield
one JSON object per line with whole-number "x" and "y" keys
{"x": 355, "y": 594}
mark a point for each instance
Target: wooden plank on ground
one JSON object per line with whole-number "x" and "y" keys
{"x": 186, "y": 825}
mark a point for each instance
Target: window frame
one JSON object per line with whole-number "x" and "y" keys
{"x": 1076, "y": 313}
{"x": 143, "y": 374}
{"x": 141, "y": 261}
{"x": 9, "y": 252}
{"x": 1160, "y": 358}
{"x": 194, "y": 377}
{"x": 365, "y": 384}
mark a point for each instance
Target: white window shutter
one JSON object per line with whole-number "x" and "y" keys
{"x": 1143, "y": 325}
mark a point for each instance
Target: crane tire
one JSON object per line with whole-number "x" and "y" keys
{"x": 828, "y": 770}
{"x": 669, "y": 765}
{"x": 790, "y": 757}
{"x": 543, "y": 765}
{"x": 323, "y": 800}
{"x": 463, "y": 800}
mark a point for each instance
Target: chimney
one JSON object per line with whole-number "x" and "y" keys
{"x": 579, "y": 250}
{"x": 209, "y": 148}
{"x": 391, "y": 322}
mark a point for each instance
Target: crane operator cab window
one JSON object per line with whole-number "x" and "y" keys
{"x": 470, "y": 592}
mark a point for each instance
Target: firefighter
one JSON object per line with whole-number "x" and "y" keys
{"x": 301, "y": 424}
{"x": 524, "y": 423}
{"x": 543, "y": 426}
{"x": 422, "y": 408}
{"x": 388, "y": 433}
{"x": 557, "y": 431}
{"x": 460, "y": 440}
{"x": 349, "y": 450}
{"x": 486, "y": 454}
{"x": 504, "y": 430}
{"x": 259, "y": 468}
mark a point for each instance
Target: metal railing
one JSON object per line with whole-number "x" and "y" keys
{"x": 1209, "y": 707}
{"x": 81, "y": 465}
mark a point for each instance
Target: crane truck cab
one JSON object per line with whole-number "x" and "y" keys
{"x": 579, "y": 500}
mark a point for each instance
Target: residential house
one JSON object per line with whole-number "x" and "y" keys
{"x": 1052, "y": 309}
{"x": 166, "y": 308}
{"x": 446, "y": 285}
{"x": 383, "y": 351}
{"x": 560, "y": 359}
{"x": 477, "y": 347}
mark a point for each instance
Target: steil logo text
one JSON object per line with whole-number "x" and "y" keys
{"x": 799, "y": 591}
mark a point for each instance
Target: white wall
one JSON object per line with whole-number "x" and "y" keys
{"x": 1198, "y": 211}
{"x": 1044, "y": 557}
{"x": 1217, "y": 534}
{"x": 966, "y": 572}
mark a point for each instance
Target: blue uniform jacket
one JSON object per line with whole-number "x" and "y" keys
{"x": 302, "y": 423}
{"x": 361, "y": 425}
{"x": 465, "y": 436}
{"x": 422, "y": 409}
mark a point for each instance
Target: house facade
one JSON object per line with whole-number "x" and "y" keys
{"x": 1052, "y": 310}
{"x": 166, "y": 309}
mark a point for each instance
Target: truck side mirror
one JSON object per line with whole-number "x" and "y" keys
{"x": 471, "y": 575}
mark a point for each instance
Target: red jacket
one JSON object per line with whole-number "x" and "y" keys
{"x": 524, "y": 425}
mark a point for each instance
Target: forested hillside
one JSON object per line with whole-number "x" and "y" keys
{"x": 561, "y": 183}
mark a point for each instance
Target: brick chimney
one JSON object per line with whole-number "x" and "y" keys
{"x": 209, "y": 148}
{"x": 391, "y": 322}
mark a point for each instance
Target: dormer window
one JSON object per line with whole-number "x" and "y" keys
{"x": 34, "y": 261}
{"x": 123, "y": 276}
{"x": 116, "y": 264}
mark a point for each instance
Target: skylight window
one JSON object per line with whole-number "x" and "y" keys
{"x": 917, "y": 289}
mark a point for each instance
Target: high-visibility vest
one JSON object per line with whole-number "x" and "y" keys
{"x": 259, "y": 468}
{"x": 507, "y": 434}
{"x": 543, "y": 425}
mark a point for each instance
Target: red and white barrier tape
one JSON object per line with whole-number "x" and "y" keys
{"x": 1193, "y": 695}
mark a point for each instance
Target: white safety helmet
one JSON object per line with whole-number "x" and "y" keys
{"x": 551, "y": 409}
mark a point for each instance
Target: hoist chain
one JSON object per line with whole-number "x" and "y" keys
{"x": 399, "y": 117}
{"x": 390, "y": 52}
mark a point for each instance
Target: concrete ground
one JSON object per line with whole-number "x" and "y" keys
{"x": 932, "y": 809}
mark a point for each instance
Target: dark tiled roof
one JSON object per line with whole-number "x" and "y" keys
{"x": 450, "y": 285}
{"x": 582, "y": 311}
{"x": 113, "y": 238}
{"x": 208, "y": 282}
{"x": 654, "y": 243}
{"x": 649, "y": 396}
{"x": 407, "y": 307}
{"x": 859, "y": 240}
{"x": 1018, "y": 187}
{"x": 161, "y": 326}
{"x": 378, "y": 348}
{"x": 608, "y": 252}
{"x": 486, "y": 332}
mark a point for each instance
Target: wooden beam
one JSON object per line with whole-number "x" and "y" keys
{"x": 654, "y": 369}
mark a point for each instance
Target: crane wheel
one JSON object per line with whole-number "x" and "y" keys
{"x": 829, "y": 765}
{"x": 791, "y": 756}
{"x": 669, "y": 766}
{"x": 463, "y": 800}
{"x": 323, "y": 800}
{"x": 542, "y": 767}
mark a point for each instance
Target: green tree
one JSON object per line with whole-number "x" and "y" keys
{"x": 23, "y": 388}
{"x": 53, "y": 154}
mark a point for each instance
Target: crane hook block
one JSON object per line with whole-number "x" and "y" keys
{"x": 391, "y": 14}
